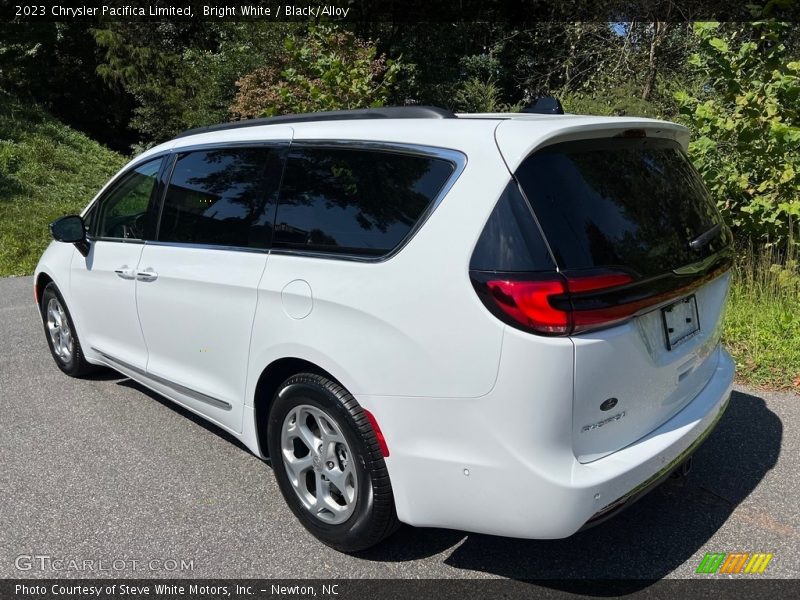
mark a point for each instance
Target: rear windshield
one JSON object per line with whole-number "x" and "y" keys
{"x": 629, "y": 203}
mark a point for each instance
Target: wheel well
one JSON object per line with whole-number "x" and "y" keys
{"x": 268, "y": 383}
{"x": 41, "y": 282}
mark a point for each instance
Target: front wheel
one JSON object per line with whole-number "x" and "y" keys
{"x": 328, "y": 464}
{"x": 61, "y": 336}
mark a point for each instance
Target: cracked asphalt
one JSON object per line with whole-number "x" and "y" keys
{"x": 102, "y": 469}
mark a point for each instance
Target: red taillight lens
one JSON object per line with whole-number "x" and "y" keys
{"x": 528, "y": 303}
{"x": 600, "y": 317}
{"x": 594, "y": 283}
{"x": 544, "y": 306}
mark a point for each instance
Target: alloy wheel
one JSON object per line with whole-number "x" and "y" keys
{"x": 59, "y": 330}
{"x": 319, "y": 463}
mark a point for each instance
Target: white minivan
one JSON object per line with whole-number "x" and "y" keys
{"x": 500, "y": 323}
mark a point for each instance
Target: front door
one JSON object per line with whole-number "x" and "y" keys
{"x": 103, "y": 284}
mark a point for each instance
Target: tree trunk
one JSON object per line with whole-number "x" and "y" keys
{"x": 660, "y": 29}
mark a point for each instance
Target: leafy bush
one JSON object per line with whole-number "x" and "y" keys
{"x": 620, "y": 101}
{"x": 745, "y": 121}
{"x": 327, "y": 70}
{"x": 476, "y": 96}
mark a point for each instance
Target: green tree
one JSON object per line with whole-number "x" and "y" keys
{"x": 54, "y": 65}
{"x": 745, "y": 118}
{"x": 329, "y": 69}
{"x": 182, "y": 74}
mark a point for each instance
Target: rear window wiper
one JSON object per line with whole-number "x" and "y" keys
{"x": 704, "y": 238}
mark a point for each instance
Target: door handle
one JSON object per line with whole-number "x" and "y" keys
{"x": 125, "y": 272}
{"x": 147, "y": 275}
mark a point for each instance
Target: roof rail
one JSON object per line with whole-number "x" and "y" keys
{"x": 386, "y": 112}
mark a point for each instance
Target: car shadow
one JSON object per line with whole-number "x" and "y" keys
{"x": 646, "y": 542}
{"x": 184, "y": 412}
{"x": 104, "y": 374}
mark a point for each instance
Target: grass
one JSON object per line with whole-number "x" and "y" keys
{"x": 46, "y": 170}
{"x": 762, "y": 324}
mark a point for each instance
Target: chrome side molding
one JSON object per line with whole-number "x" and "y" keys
{"x": 182, "y": 389}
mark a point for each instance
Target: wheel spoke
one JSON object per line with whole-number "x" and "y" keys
{"x": 307, "y": 437}
{"x": 324, "y": 501}
{"x": 323, "y": 490}
{"x": 297, "y": 428}
{"x": 330, "y": 438}
{"x": 297, "y": 467}
{"x": 66, "y": 337}
{"x": 344, "y": 482}
{"x": 330, "y": 434}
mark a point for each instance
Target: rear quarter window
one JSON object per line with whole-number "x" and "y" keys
{"x": 511, "y": 240}
{"x": 355, "y": 201}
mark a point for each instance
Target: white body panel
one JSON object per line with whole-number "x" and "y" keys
{"x": 197, "y": 318}
{"x": 104, "y": 302}
{"x": 482, "y": 420}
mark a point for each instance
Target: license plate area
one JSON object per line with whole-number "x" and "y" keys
{"x": 681, "y": 321}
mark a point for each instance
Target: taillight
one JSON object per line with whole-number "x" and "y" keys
{"x": 544, "y": 304}
{"x": 585, "y": 319}
{"x": 528, "y": 303}
{"x": 593, "y": 283}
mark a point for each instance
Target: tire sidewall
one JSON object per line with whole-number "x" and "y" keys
{"x": 341, "y": 535}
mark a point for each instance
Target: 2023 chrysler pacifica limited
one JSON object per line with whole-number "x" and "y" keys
{"x": 507, "y": 324}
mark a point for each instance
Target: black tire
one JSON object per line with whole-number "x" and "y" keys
{"x": 75, "y": 365}
{"x": 374, "y": 517}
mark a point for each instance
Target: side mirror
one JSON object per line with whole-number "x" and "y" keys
{"x": 71, "y": 230}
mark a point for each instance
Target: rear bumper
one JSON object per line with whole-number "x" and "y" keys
{"x": 473, "y": 464}
{"x": 679, "y": 465}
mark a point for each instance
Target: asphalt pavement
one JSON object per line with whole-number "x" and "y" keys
{"x": 104, "y": 470}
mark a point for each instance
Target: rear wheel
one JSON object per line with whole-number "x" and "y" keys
{"x": 329, "y": 465}
{"x": 60, "y": 333}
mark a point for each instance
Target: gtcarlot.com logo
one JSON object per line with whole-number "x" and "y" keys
{"x": 734, "y": 563}
{"x": 45, "y": 562}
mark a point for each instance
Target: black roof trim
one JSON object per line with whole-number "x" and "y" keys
{"x": 386, "y": 112}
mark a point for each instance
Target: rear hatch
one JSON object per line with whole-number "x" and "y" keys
{"x": 643, "y": 257}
